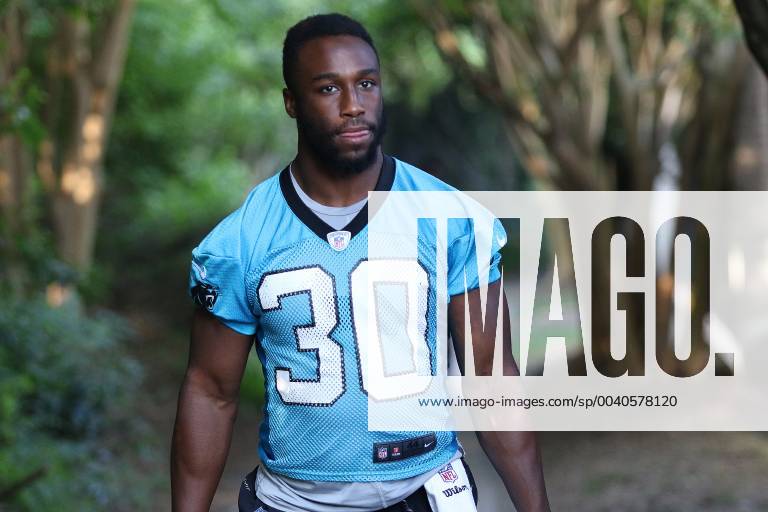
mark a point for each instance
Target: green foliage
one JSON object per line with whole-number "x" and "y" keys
{"x": 200, "y": 120}
{"x": 19, "y": 99}
{"x": 718, "y": 17}
{"x": 208, "y": 93}
{"x": 22, "y": 95}
{"x": 65, "y": 387}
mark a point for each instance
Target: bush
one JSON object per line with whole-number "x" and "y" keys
{"x": 65, "y": 394}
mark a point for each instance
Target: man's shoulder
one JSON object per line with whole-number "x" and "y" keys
{"x": 412, "y": 178}
{"x": 471, "y": 218}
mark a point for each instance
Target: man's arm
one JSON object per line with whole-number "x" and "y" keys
{"x": 206, "y": 411}
{"x": 515, "y": 455}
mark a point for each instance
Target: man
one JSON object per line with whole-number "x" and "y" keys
{"x": 280, "y": 269}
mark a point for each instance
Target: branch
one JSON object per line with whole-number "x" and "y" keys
{"x": 508, "y": 51}
{"x": 11, "y": 28}
{"x": 651, "y": 48}
{"x": 596, "y": 92}
{"x": 651, "y": 45}
{"x": 545, "y": 46}
{"x": 618, "y": 53}
{"x": 517, "y": 59}
{"x": 754, "y": 18}
{"x": 447, "y": 44}
{"x": 105, "y": 73}
{"x": 625, "y": 84}
{"x": 587, "y": 16}
{"x": 508, "y": 56}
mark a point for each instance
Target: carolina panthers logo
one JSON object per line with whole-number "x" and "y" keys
{"x": 205, "y": 295}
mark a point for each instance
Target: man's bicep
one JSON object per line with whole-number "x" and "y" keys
{"x": 217, "y": 356}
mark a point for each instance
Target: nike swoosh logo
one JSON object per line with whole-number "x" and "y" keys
{"x": 427, "y": 445}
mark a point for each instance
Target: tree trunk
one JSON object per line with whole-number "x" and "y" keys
{"x": 709, "y": 139}
{"x": 554, "y": 72}
{"x": 750, "y": 160}
{"x": 83, "y": 89}
{"x": 15, "y": 160}
{"x": 754, "y": 18}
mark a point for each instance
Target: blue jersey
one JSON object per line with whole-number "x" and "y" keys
{"x": 275, "y": 270}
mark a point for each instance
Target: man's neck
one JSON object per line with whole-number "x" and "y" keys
{"x": 330, "y": 187}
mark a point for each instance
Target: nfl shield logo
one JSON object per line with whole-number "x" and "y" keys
{"x": 382, "y": 453}
{"x": 339, "y": 239}
{"x": 448, "y": 474}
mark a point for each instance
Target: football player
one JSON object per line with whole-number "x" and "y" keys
{"x": 281, "y": 272}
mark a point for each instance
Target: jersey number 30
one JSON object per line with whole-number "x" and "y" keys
{"x": 330, "y": 383}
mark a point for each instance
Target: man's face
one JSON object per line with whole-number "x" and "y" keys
{"x": 337, "y": 103}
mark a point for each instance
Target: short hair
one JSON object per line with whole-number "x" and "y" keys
{"x": 314, "y": 27}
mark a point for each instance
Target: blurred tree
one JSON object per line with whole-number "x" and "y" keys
{"x": 20, "y": 129}
{"x": 199, "y": 121}
{"x": 594, "y": 90}
{"x": 604, "y": 94}
{"x": 754, "y": 18}
{"x": 74, "y": 50}
{"x": 14, "y": 96}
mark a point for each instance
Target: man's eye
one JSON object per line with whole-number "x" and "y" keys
{"x": 367, "y": 84}
{"x": 328, "y": 89}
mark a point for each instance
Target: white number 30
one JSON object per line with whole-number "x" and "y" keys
{"x": 329, "y": 383}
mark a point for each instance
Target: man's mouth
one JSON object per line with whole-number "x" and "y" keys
{"x": 356, "y": 134}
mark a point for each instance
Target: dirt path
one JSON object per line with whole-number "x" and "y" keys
{"x": 164, "y": 355}
{"x": 658, "y": 471}
{"x": 644, "y": 472}
{"x": 590, "y": 472}
{"x": 601, "y": 472}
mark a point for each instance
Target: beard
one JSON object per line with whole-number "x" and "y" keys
{"x": 322, "y": 142}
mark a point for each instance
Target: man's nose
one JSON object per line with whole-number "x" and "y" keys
{"x": 350, "y": 104}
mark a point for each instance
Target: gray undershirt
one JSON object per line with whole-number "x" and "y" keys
{"x": 292, "y": 495}
{"x": 335, "y": 216}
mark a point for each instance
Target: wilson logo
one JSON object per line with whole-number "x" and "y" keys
{"x": 452, "y": 491}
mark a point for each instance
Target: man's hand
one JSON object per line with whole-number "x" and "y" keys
{"x": 514, "y": 455}
{"x": 206, "y": 412}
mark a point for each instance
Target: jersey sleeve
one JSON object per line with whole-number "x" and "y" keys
{"x": 464, "y": 268}
{"x": 217, "y": 280}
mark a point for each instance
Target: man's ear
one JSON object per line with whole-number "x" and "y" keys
{"x": 290, "y": 102}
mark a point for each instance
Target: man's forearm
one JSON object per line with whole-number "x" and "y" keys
{"x": 201, "y": 439}
{"x": 516, "y": 457}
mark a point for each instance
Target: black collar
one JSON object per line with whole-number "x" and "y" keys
{"x": 315, "y": 223}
